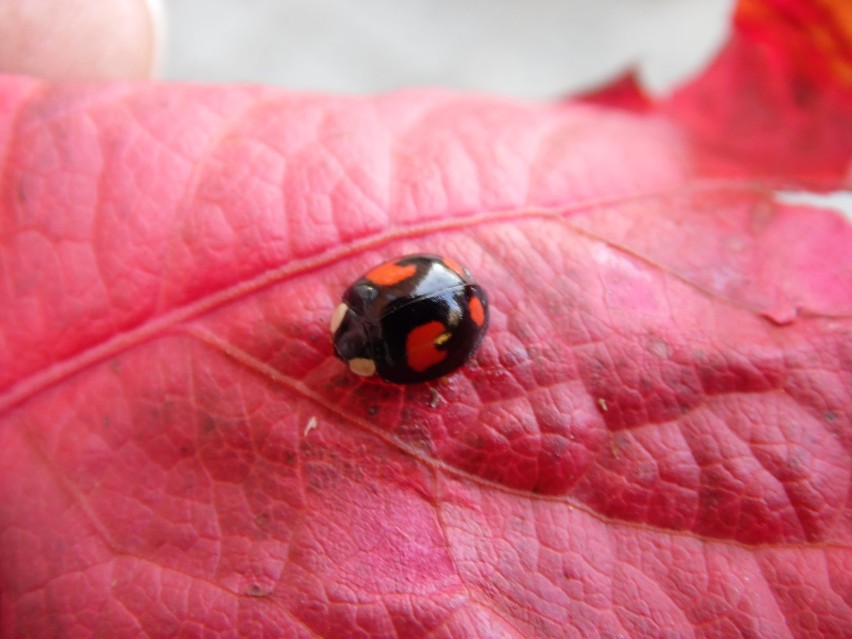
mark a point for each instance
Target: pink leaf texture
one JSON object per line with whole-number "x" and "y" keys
{"x": 654, "y": 439}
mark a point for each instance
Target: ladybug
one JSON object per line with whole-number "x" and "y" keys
{"x": 411, "y": 319}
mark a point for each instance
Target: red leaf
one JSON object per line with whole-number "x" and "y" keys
{"x": 654, "y": 439}
{"x": 777, "y": 102}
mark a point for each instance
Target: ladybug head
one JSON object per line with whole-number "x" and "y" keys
{"x": 352, "y": 343}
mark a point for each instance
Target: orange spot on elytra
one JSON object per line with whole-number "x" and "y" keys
{"x": 421, "y": 346}
{"x": 477, "y": 312}
{"x": 391, "y": 273}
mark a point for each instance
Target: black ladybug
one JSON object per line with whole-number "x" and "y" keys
{"x": 411, "y": 319}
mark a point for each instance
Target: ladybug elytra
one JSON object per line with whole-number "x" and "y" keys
{"x": 410, "y": 320}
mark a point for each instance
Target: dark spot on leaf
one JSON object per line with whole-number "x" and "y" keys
{"x": 646, "y": 384}
{"x": 831, "y": 416}
{"x": 208, "y": 424}
{"x": 255, "y": 590}
{"x": 711, "y": 498}
{"x": 342, "y": 380}
{"x": 373, "y": 410}
{"x": 569, "y": 573}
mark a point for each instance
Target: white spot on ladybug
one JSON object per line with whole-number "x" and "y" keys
{"x": 337, "y": 318}
{"x": 362, "y": 366}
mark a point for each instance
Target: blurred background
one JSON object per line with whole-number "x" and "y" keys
{"x": 526, "y": 48}
{"x": 535, "y": 49}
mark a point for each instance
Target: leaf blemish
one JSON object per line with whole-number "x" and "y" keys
{"x": 255, "y": 590}
{"x": 312, "y": 424}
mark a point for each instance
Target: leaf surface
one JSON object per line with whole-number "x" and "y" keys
{"x": 654, "y": 439}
